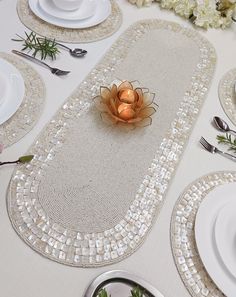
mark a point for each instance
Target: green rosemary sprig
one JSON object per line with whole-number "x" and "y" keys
{"x": 227, "y": 140}
{"x": 103, "y": 293}
{"x": 42, "y": 46}
{"x": 135, "y": 292}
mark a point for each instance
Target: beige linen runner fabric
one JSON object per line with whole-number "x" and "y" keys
{"x": 187, "y": 259}
{"x": 24, "y": 119}
{"x": 93, "y": 191}
{"x": 101, "y": 31}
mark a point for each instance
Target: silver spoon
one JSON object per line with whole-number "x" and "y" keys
{"x": 222, "y": 125}
{"x": 75, "y": 52}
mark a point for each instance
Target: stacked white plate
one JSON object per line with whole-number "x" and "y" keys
{"x": 12, "y": 89}
{"x": 90, "y": 13}
{"x": 215, "y": 232}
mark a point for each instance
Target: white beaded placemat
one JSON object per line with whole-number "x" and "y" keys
{"x": 185, "y": 253}
{"x": 92, "y": 192}
{"x": 227, "y": 94}
{"x": 101, "y": 31}
{"x": 30, "y": 109}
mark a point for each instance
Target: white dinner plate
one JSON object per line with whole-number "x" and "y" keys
{"x": 205, "y": 237}
{"x": 3, "y": 87}
{"x": 225, "y": 235}
{"x": 14, "y": 90}
{"x": 102, "y": 11}
{"x": 86, "y": 10}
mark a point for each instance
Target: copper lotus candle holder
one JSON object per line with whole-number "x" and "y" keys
{"x": 126, "y": 105}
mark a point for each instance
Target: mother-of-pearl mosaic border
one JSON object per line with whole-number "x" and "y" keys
{"x": 25, "y": 118}
{"x": 73, "y": 248}
{"x": 227, "y": 94}
{"x": 187, "y": 260}
{"x": 98, "y": 32}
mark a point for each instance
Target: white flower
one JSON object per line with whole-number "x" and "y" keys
{"x": 168, "y": 4}
{"x": 206, "y": 15}
{"x": 140, "y": 3}
{"x": 184, "y": 7}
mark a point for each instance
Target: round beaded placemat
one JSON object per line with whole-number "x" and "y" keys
{"x": 101, "y": 31}
{"x": 30, "y": 109}
{"x": 227, "y": 94}
{"x": 185, "y": 253}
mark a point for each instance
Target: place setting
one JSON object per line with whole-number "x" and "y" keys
{"x": 203, "y": 235}
{"x": 21, "y": 102}
{"x": 71, "y": 20}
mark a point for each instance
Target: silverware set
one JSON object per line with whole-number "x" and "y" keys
{"x": 76, "y": 52}
{"x": 214, "y": 150}
{"x": 222, "y": 126}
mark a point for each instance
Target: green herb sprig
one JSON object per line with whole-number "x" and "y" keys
{"x": 227, "y": 140}
{"x": 103, "y": 293}
{"x": 42, "y": 46}
{"x": 21, "y": 160}
{"x": 135, "y": 292}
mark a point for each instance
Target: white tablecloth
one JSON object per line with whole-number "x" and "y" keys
{"x": 24, "y": 273}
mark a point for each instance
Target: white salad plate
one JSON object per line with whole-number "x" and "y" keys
{"x": 205, "y": 237}
{"x": 12, "y": 90}
{"x": 225, "y": 235}
{"x": 102, "y": 11}
{"x": 86, "y": 10}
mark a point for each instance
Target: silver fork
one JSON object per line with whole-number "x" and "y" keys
{"x": 55, "y": 71}
{"x": 214, "y": 150}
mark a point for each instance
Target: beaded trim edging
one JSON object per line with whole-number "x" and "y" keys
{"x": 98, "y": 249}
{"x": 30, "y": 109}
{"x": 95, "y": 33}
{"x": 187, "y": 260}
{"x": 227, "y": 94}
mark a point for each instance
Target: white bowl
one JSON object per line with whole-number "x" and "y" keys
{"x": 68, "y": 4}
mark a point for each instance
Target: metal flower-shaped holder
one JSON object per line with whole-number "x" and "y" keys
{"x": 125, "y": 104}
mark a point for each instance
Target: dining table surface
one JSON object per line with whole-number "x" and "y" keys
{"x": 23, "y": 272}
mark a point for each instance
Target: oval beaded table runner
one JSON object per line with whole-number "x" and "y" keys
{"x": 93, "y": 191}
{"x": 101, "y": 31}
{"x": 227, "y": 94}
{"x": 185, "y": 253}
{"x": 24, "y": 119}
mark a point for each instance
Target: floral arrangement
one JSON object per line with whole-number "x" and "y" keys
{"x": 203, "y": 13}
{"x": 124, "y": 104}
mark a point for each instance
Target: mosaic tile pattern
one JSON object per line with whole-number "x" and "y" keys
{"x": 227, "y": 94}
{"x": 101, "y": 31}
{"x": 185, "y": 253}
{"x": 74, "y": 248}
{"x": 30, "y": 109}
